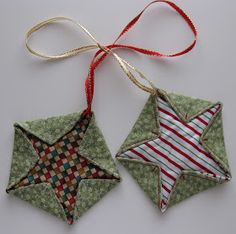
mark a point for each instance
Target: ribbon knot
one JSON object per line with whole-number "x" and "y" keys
{"x": 103, "y": 51}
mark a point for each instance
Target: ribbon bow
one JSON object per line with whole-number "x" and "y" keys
{"x": 103, "y": 51}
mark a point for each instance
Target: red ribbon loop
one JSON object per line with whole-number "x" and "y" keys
{"x": 100, "y": 55}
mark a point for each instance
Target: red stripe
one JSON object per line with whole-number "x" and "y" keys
{"x": 202, "y": 120}
{"x": 185, "y": 139}
{"x": 163, "y": 202}
{"x": 164, "y": 187}
{"x": 186, "y": 156}
{"x": 168, "y": 113}
{"x": 164, "y": 156}
{"x": 138, "y": 154}
{"x": 176, "y": 118}
{"x": 167, "y": 174}
{"x": 211, "y": 112}
{"x": 144, "y": 158}
{"x": 218, "y": 107}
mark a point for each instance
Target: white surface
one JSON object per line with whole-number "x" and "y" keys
{"x": 31, "y": 88}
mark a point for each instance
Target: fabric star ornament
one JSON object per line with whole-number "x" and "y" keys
{"x": 176, "y": 148}
{"x": 61, "y": 164}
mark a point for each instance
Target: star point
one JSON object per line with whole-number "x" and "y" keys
{"x": 61, "y": 165}
{"x": 178, "y": 148}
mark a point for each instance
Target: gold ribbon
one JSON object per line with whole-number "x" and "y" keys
{"x": 125, "y": 66}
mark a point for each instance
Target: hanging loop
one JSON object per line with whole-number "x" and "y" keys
{"x": 131, "y": 72}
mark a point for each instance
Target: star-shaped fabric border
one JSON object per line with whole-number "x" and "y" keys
{"x": 178, "y": 143}
{"x": 61, "y": 164}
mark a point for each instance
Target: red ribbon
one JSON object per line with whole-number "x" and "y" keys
{"x": 100, "y": 55}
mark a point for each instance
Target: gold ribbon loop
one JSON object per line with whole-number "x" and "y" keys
{"x": 126, "y": 67}
{"x": 65, "y": 54}
{"x": 131, "y": 72}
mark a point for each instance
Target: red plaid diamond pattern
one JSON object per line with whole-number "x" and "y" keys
{"x": 63, "y": 167}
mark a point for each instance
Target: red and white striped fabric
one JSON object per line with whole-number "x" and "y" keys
{"x": 178, "y": 148}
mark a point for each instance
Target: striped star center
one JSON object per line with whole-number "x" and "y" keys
{"x": 178, "y": 148}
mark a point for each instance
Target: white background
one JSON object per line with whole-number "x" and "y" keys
{"x": 31, "y": 88}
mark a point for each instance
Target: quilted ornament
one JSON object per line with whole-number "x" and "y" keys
{"x": 61, "y": 164}
{"x": 176, "y": 148}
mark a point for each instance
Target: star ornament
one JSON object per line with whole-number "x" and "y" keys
{"x": 61, "y": 165}
{"x": 176, "y": 148}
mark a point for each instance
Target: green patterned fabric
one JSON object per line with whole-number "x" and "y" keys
{"x": 190, "y": 184}
{"x": 146, "y": 175}
{"x": 41, "y": 196}
{"x": 93, "y": 147}
{"x": 187, "y": 107}
{"x": 50, "y": 129}
{"x": 24, "y": 157}
{"x": 91, "y": 191}
{"x": 146, "y": 126}
{"x": 212, "y": 139}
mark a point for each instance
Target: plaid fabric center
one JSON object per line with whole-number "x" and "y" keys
{"x": 62, "y": 166}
